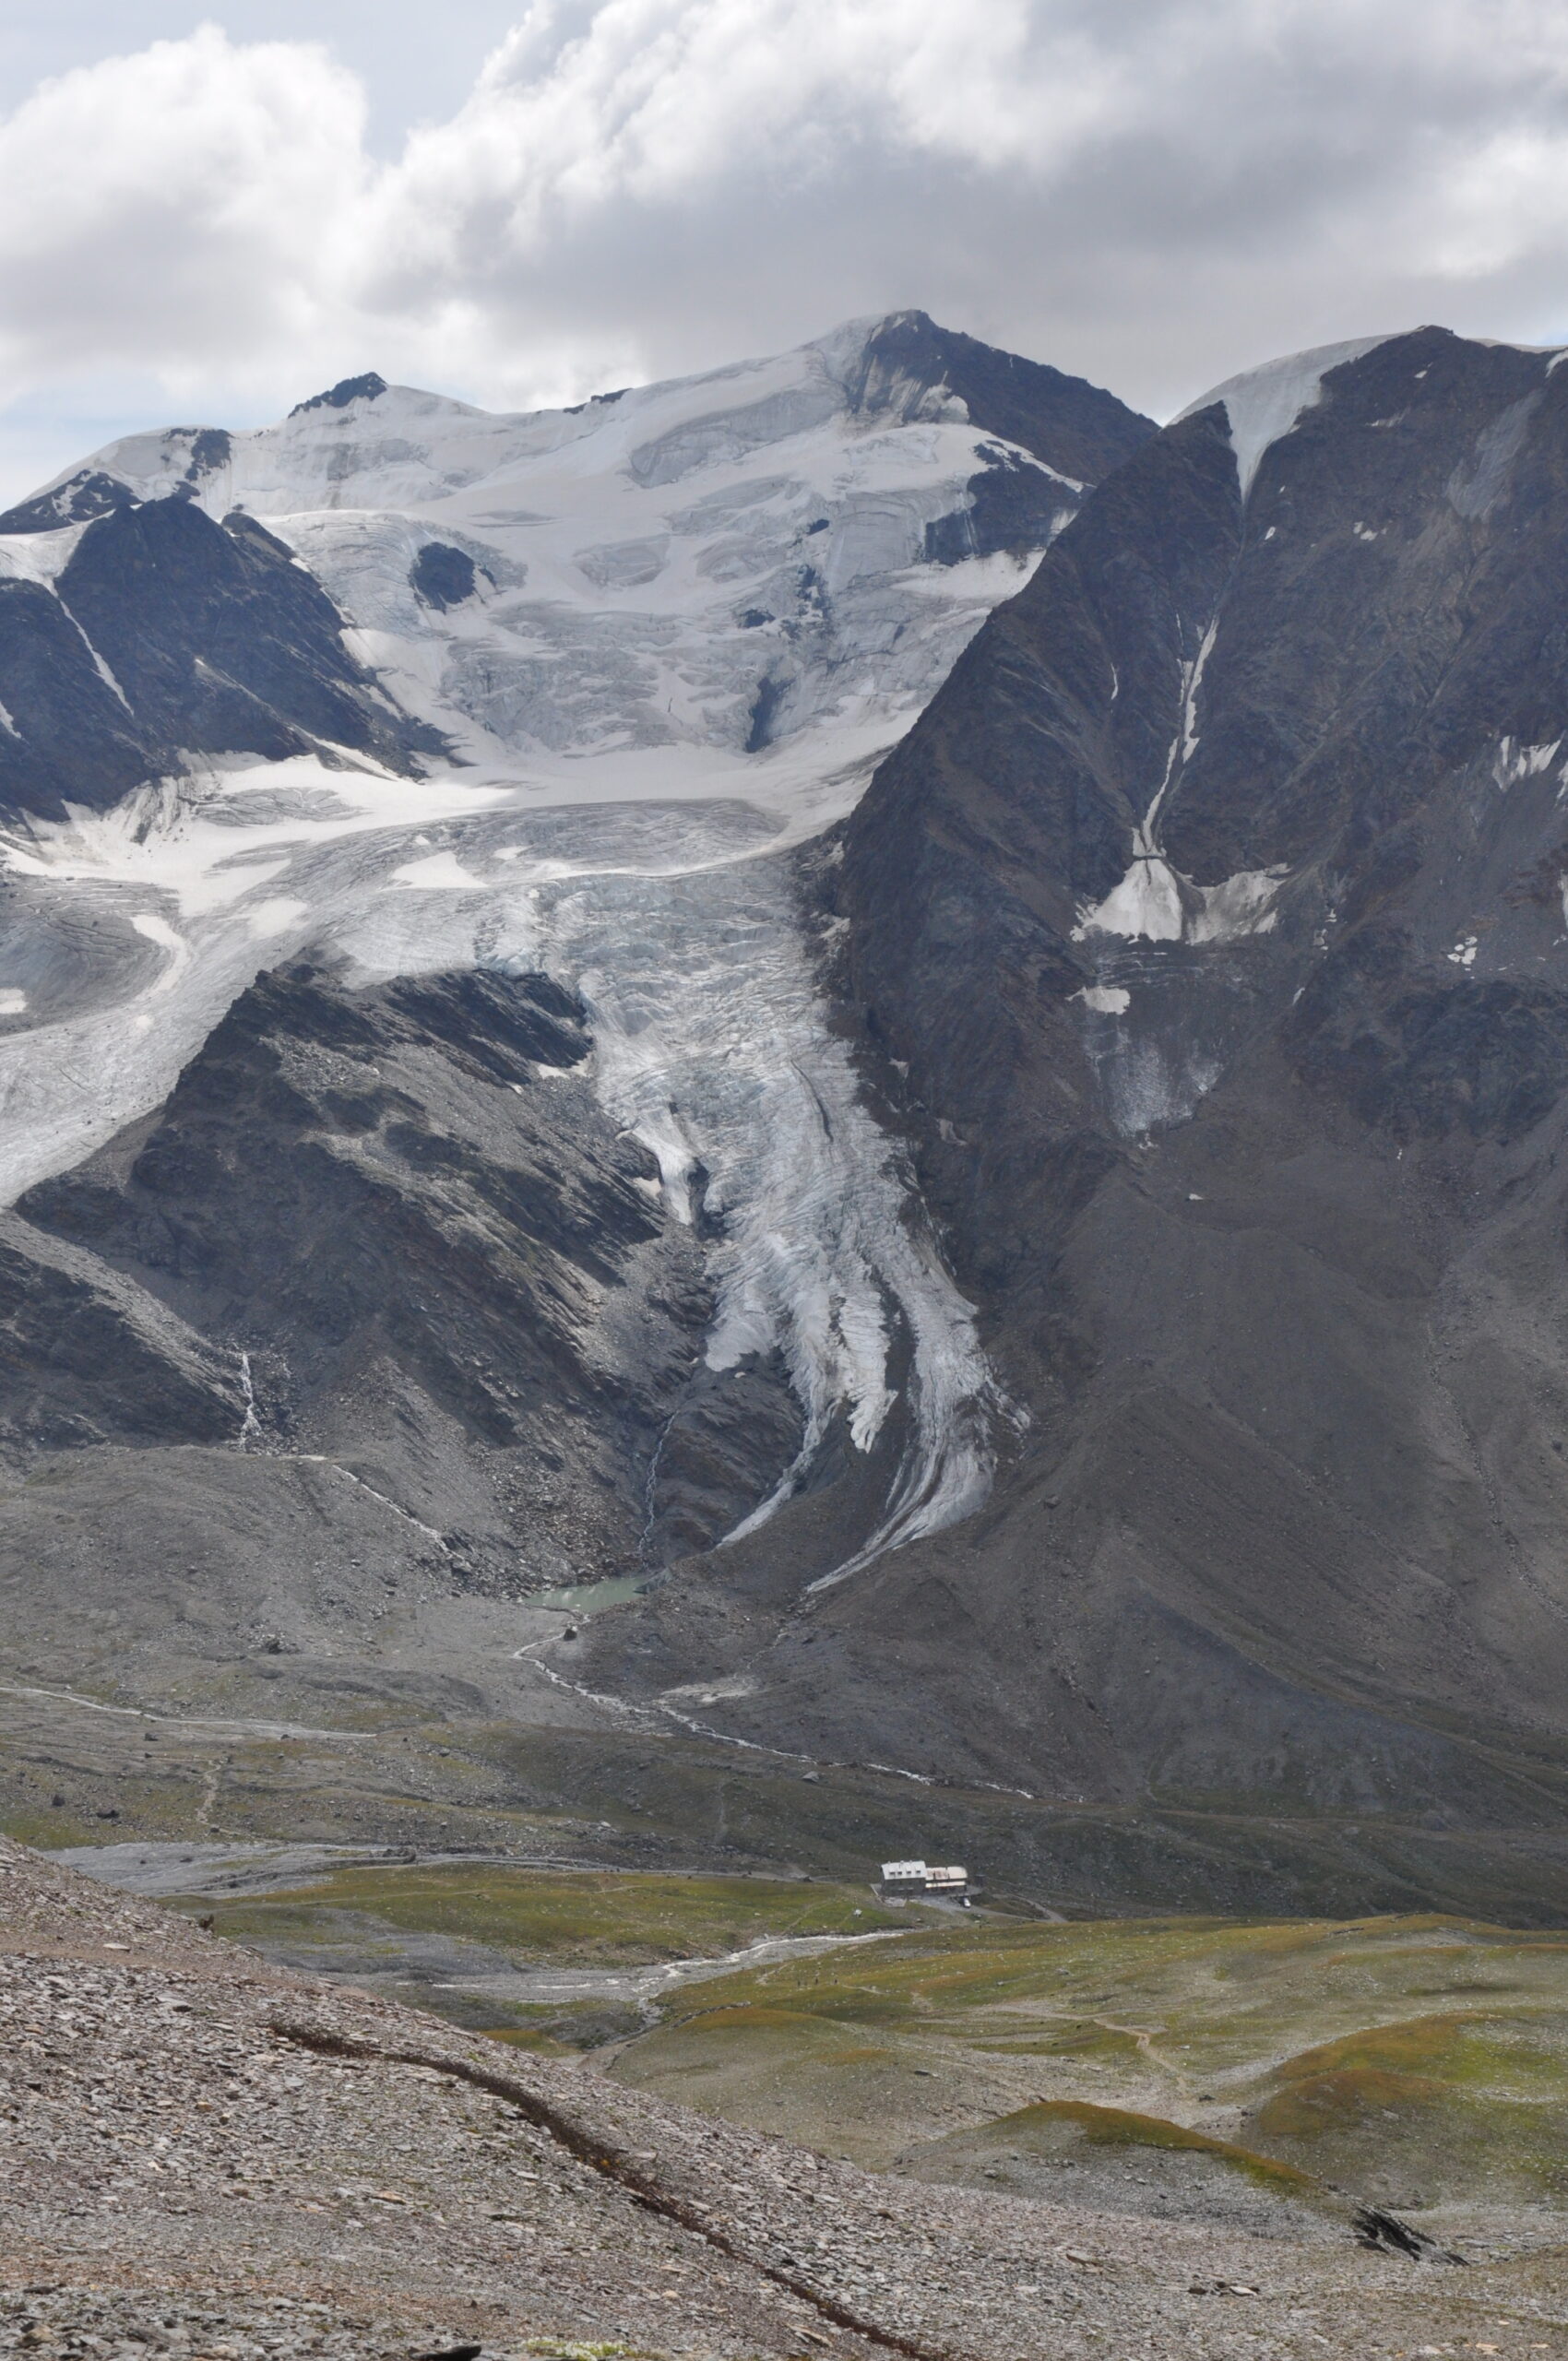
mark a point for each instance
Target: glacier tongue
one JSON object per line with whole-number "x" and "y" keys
{"x": 676, "y": 921}
{"x": 712, "y": 1047}
{"x": 679, "y": 928}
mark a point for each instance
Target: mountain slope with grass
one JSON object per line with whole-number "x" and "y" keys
{"x": 201, "y": 2146}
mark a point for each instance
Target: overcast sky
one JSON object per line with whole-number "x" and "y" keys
{"x": 205, "y": 217}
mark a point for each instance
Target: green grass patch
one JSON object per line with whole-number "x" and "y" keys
{"x": 1525, "y": 2055}
{"x": 1115, "y": 2126}
{"x": 1389, "y": 2055}
{"x": 543, "y": 2045}
{"x": 744, "y": 2020}
{"x": 575, "y": 1917}
{"x": 1139, "y": 2023}
{"x": 1356, "y": 2099}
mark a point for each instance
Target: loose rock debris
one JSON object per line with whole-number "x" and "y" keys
{"x": 203, "y": 2156}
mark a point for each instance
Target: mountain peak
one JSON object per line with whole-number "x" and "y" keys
{"x": 1265, "y": 403}
{"x": 1076, "y": 429}
{"x": 365, "y": 388}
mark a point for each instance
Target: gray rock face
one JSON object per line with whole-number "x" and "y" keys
{"x": 1209, "y": 930}
{"x": 167, "y": 635}
{"x": 86, "y": 1358}
{"x": 1076, "y": 428}
{"x": 393, "y": 1227}
{"x": 910, "y": 368}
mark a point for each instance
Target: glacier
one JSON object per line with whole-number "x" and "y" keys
{"x": 666, "y": 637}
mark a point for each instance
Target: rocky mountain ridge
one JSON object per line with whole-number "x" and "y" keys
{"x": 1208, "y": 935}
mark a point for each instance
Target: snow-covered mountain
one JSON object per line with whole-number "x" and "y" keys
{"x": 677, "y": 574}
{"x": 401, "y": 689}
{"x": 862, "y": 991}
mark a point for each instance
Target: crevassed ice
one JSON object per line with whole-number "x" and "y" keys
{"x": 712, "y": 1049}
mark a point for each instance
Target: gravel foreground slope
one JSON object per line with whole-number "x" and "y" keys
{"x": 202, "y": 2154}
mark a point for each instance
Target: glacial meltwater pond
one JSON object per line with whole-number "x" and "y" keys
{"x": 592, "y": 1599}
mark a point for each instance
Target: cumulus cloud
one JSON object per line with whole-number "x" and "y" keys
{"x": 1154, "y": 194}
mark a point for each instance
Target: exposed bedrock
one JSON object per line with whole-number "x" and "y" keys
{"x": 1077, "y": 429}
{"x": 88, "y": 1358}
{"x": 165, "y": 635}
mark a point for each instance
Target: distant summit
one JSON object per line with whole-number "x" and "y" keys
{"x": 1077, "y": 429}
{"x": 346, "y": 390}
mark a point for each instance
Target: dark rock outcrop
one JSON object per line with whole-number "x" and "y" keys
{"x": 87, "y": 1357}
{"x": 911, "y": 368}
{"x": 443, "y": 577}
{"x": 441, "y": 1264}
{"x": 167, "y": 635}
{"x": 1078, "y": 429}
{"x": 88, "y": 493}
{"x": 366, "y": 388}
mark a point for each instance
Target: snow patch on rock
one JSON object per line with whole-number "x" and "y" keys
{"x": 1154, "y": 902}
{"x": 1146, "y": 903}
{"x": 1514, "y": 762}
{"x": 1264, "y": 405}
